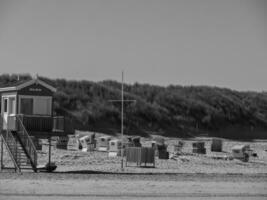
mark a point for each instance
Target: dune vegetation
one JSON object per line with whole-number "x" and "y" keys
{"x": 181, "y": 111}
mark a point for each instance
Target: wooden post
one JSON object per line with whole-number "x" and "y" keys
{"x": 2, "y": 154}
{"x": 16, "y": 150}
{"x": 49, "y": 151}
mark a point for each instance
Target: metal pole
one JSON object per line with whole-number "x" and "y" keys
{"x": 122, "y": 98}
{"x": 122, "y": 114}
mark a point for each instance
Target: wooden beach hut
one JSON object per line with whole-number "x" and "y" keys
{"x": 27, "y": 110}
{"x": 103, "y": 143}
{"x": 87, "y": 143}
{"x": 216, "y": 145}
{"x": 115, "y": 146}
{"x": 241, "y": 152}
{"x": 199, "y": 147}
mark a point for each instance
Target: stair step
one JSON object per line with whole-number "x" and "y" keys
{"x": 15, "y": 145}
{"x": 23, "y": 156}
{"x": 20, "y": 158}
{"x": 24, "y": 162}
{"x": 25, "y": 165}
{"x": 23, "y": 159}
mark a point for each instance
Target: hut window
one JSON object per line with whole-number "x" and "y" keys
{"x": 26, "y": 106}
{"x": 5, "y": 105}
{"x": 42, "y": 106}
{"x": 35, "y": 105}
{"x": 12, "y": 105}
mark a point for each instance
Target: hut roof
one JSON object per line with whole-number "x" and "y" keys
{"x": 18, "y": 85}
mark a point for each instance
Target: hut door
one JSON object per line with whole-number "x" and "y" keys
{"x": 12, "y": 113}
{"x": 9, "y": 109}
{"x": 5, "y": 112}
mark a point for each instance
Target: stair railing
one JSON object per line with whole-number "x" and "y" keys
{"x": 26, "y": 141}
{"x": 10, "y": 143}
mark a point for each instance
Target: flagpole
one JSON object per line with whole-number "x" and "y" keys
{"x": 122, "y": 102}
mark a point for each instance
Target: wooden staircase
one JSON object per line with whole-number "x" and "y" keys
{"x": 19, "y": 146}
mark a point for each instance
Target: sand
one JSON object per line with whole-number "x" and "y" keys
{"x": 186, "y": 163}
{"x": 119, "y": 186}
{"x": 93, "y": 175}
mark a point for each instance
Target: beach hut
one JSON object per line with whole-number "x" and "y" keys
{"x": 27, "y": 110}
{"x": 136, "y": 141}
{"x": 241, "y": 152}
{"x": 87, "y": 143}
{"x": 115, "y": 146}
{"x": 91, "y": 135}
{"x": 73, "y": 143}
{"x": 216, "y": 145}
{"x": 199, "y": 147}
{"x": 103, "y": 143}
{"x": 128, "y": 142}
{"x": 177, "y": 147}
{"x": 158, "y": 144}
{"x": 62, "y": 142}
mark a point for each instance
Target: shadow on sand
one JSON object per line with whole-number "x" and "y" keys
{"x": 109, "y": 173}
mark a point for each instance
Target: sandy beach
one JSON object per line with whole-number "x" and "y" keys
{"x": 94, "y": 175}
{"x": 130, "y": 186}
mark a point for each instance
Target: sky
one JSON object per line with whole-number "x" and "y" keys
{"x": 180, "y": 42}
